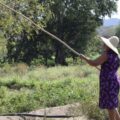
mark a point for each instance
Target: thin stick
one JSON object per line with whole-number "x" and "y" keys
{"x": 42, "y": 29}
{"x": 37, "y": 115}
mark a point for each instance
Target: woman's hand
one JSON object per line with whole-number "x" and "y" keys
{"x": 81, "y": 56}
{"x": 90, "y": 62}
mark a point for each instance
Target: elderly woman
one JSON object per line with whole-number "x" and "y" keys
{"x": 109, "y": 82}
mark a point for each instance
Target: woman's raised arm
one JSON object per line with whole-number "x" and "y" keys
{"x": 98, "y": 61}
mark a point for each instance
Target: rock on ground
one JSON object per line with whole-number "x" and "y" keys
{"x": 71, "y": 109}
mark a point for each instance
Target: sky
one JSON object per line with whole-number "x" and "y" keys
{"x": 116, "y": 15}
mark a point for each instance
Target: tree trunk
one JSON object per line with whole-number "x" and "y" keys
{"x": 60, "y": 55}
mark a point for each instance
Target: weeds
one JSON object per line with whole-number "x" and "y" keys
{"x": 47, "y": 87}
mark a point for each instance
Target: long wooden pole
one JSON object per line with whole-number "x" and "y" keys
{"x": 42, "y": 29}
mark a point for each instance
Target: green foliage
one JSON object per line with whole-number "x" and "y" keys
{"x": 118, "y": 31}
{"x": 3, "y": 49}
{"x": 94, "y": 47}
{"x": 74, "y": 21}
{"x": 46, "y": 87}
{"x": 20, "y": 33}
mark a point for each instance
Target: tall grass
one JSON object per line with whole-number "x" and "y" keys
{"x": 40, "y": 87}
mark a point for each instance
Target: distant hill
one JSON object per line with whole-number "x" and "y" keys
{"x": 106, "y": 31}
{"x": 109, "y": 27}
{"x": 111, "y": 22}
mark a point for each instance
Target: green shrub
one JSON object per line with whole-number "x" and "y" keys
{"x": 47, "y": 87}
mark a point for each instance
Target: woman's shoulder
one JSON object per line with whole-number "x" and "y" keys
{"x": 112, "y": 56}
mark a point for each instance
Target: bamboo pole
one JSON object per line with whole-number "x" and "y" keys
{"x": 43, "y": 30}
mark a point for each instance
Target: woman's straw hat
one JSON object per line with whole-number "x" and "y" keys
{"x": 112, "y": 43}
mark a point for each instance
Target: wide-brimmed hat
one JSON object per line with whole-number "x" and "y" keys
{"x": 112, "y": 43}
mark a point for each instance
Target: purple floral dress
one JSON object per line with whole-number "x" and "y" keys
{"x": 109, "y": 82}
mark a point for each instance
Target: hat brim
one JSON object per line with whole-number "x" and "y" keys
{"x": 108, "y": 43}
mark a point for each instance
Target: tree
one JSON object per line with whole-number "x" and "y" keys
{"x": 23, "y": 43}
{"x": 75, "y": 22}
